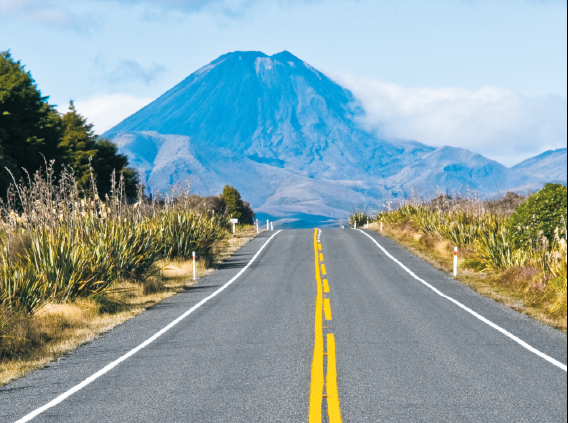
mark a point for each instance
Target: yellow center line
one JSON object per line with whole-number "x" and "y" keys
{"x": 333, "y": 410}
{"x": 316, "y": 388}
{"x": 327, "y": 309}
{"x": 317, "y": 382}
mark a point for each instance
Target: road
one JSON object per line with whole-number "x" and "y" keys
{"x": 312, "y": 326}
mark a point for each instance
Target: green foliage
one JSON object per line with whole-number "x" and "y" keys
{"x": 32, "y": 133}
{"x": 106, "y": 161}
{"x": 361, "y": 218}
{"x": 62, "y": 246}
{"x": 78, "y": 144}
{"x": 235, "y": 207}
{"x": 30, "y": 128}
{"x": 543, "y": 214}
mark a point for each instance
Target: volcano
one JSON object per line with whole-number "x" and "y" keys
{"x": 289, "y": 138}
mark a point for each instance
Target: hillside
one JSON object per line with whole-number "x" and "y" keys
{"x": 549, "y": 166}
{"x": 290, "y": 140}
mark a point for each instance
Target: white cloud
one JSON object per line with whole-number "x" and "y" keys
{"x": 128, "y": 71}
{"x": 495, "y": 122}
{"x": 105, "y": 111}
{"x": 52, "y": 13}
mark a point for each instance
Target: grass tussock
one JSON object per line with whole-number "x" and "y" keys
{"x": 73, "y": 265}
{"x": 529, "y": 277}
{"x": 30, "y": 341}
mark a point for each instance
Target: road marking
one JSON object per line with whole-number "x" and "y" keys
{"x": 327, "y": 309}
{"x": 325, "y": 286}
{"x": 321, "y": 257}
{"x": 323, "y": 269}
{"x": 319, "y": 247}
{"x": 333, "y": 410}
{"x": 115, "y": 363}
{"x": 316, "y": 386}
{"x": 470, "y": 311}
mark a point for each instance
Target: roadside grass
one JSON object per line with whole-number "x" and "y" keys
{"x": 522, "y": 288}
{"x": 31, "y": 341}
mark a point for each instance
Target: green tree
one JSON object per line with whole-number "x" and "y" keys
{"x": 106, "y": 160}
{"x": 30, "y": 128}
{"x": 540, "y": 216}
{"x": 234, "y": 205}
{"x": 78, "y": 144}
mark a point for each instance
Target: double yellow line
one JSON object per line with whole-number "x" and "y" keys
{"x": 317, "y": 384}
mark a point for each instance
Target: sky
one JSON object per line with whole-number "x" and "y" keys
{"x": 486, "y": 75}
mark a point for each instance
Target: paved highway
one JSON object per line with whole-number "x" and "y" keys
{"x": 303, "y": 325}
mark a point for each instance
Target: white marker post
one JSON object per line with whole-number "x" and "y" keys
{"x": 355, "y": 225}
{"x": 234, "y": 222}
{"x": 267, "y": 225}
{"x": 271, "y": 226}
{"x": 367, "y": 222}
{"x": 381, "y": 224}
{"x": 194, "y": 266}
{"x": 455, "y": 261}
{"x": 257, "y": 229}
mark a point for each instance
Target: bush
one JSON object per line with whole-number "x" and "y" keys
{"x": 543, "y": 214}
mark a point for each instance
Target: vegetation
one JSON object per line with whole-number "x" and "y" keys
{"x": 542, "y": 215}
{"x": 488, "y": 234}
{"x": 33, "y": 133}
{"x": 235, "y": 207}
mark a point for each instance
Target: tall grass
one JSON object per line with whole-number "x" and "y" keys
{"x": 481, "y": 228}
{"x": 58, "y": 243}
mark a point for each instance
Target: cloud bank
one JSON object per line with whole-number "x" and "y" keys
{"x": 495, "y": 122}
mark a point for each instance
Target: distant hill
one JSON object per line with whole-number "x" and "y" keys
{"x": 549, "y": 166}
{"x": 290, "y": 140}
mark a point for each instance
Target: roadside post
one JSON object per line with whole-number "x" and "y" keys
{"x": 257, "y": 229}
{"x": 234, "y": 222}
{"x": 381, "y": 224}
{"x": 455, "y": 261}
{"x": 367, "y": 221}
{"x": 194, "y": 266}
{"x": 355, "y": 225}
{"x": 267, "y": 225}
{"x": 271, "y": 226}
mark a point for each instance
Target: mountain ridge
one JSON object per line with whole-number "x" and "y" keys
{"x": 289, "y": 139}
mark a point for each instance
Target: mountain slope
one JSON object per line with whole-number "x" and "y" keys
{"x": 275, "y": 110}
{"x": 549, "y": 166}
{"x": 451, "y": 168}
{"x": 289, "y": 139}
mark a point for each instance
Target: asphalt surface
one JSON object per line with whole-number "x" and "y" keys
{"x": 404, "y": 354}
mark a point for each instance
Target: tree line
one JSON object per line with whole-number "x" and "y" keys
{"x": 33, "y": 133}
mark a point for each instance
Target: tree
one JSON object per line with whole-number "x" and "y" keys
{"x": 33, "y": 133}
{"x": 106, "y": 161}
{"x": 234, "y": 205}
{"x": 30, "y": 128}
{"x": 79, "y": 144}
{"x": 541, "y": 215}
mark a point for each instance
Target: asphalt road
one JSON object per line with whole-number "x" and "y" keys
{"x": 403, "y": 352}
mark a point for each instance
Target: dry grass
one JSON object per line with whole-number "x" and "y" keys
{"x": 31, "y": 341}
{"x": 520, "y": 288}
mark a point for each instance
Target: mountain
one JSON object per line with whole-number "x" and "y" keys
{"x": 274, "y": 110}
{"x": 451, "y": 168}
{"x": 291, "y": 141}
{"x": 549, "y": 166}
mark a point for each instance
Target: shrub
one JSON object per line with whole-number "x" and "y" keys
{"x": 540, "y": 216}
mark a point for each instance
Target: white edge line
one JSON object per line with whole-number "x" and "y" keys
{"x": 483, "y": 319}
{"x": 115, "y": 363}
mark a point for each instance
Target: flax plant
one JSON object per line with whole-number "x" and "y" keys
{"x": 58, "y": 242}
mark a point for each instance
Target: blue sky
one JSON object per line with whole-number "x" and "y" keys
{"x": 486, "y": 75}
